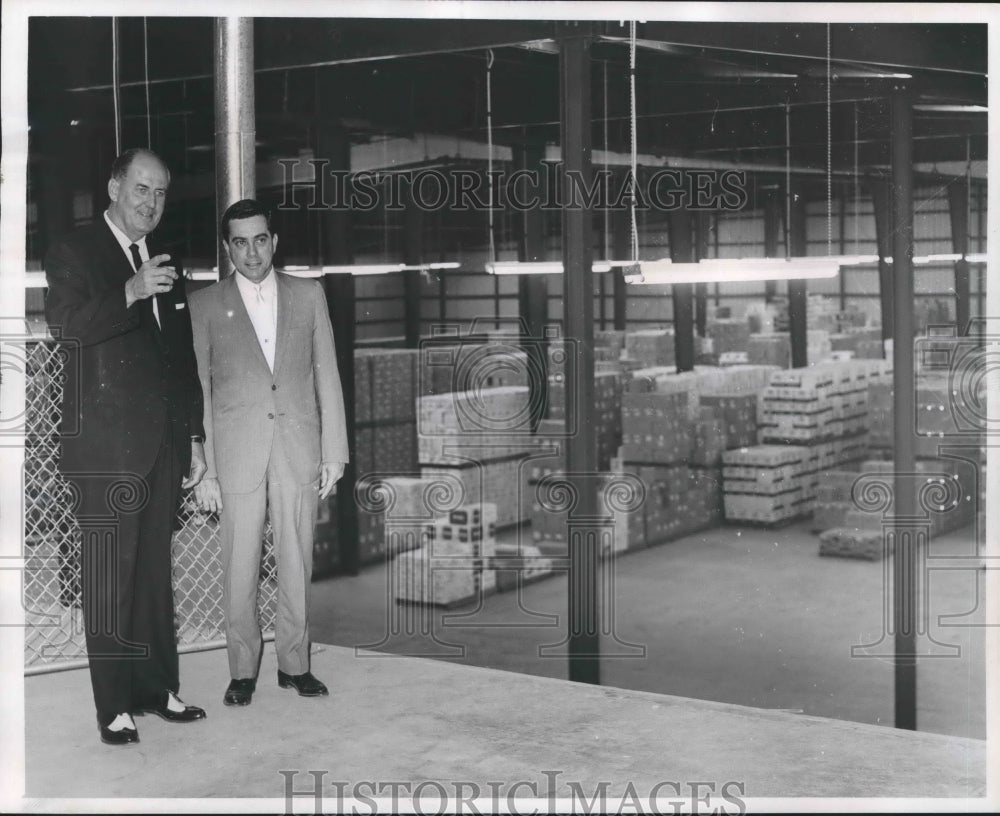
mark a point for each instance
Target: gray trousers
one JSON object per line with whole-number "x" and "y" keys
{"x": 293, "y": 515}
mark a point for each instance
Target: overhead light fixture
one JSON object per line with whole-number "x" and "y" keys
{"x": 929, "y": 259}
{"x": 952, "y": 108}
{"x": 427, "y": 266}
{"x": 545, "y": 267}
{"x": 733, "y": 270}
{"x": 976, "y": 257}
{"x": 362, "y": 269}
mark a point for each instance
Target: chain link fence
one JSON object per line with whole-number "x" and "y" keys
{"x": 54, "y": 630}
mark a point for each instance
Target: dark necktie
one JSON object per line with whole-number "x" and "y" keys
{"x": 146, "y": 305}
{"x": 136, "y": 257}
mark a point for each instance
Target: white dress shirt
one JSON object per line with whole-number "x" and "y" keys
{"x": 126, "y": 242}
{"x": 261, "y": 301}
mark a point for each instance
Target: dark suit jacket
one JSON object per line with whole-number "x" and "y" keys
{"x": 125, "y": 378}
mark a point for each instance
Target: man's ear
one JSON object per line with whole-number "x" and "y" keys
{"x": 274, "y": 242}
{"x": 114, "y": 185}
{"x": 225, "y": 246}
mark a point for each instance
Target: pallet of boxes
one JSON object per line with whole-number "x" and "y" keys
{"x": 946, "y": 481}
{"x": 813, "y": 420}
{"x": 675, "y": 430}
{"x": 452, "y": 566}
{"x": 474, "y": 443}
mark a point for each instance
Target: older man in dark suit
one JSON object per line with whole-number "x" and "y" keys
{"x": 131, "y": 438}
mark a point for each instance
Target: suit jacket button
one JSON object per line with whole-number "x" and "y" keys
{"x": 274, "y": 388}
{"x": 270, "y": 416}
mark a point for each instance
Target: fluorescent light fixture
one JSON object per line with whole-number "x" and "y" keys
{"x": 362, "y": 269}
{"x": 545, "y": 267}
{"x": 952, "y": 108}
{"x": 728, "y": 270}
{"x": 426, "y": 266}
{"x": 976, "y": 257}
{"x": 928, "y": 259}
{"x": 34, "y": 280}
{"x": 302, "y": 271}
{"x": 203, "y": 274}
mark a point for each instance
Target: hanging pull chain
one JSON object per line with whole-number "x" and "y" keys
{"x": 829, "y": 149}
{"x": 145, "y": 64}
{"x": 632, "y": 121}
{"x": 489, "y": 149}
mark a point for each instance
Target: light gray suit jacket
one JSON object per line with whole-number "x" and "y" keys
{"x": 248, "y": 410}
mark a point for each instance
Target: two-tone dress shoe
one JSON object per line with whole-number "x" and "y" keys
{"x": 305, "y": 684}
{"x": 240, "y": 692}
{"x": 180, "y": 712}
{"x": 118, "y": 736}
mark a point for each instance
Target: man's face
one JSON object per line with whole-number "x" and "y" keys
{"x": 250, "y": 246}
{"x": 137, "y": 200}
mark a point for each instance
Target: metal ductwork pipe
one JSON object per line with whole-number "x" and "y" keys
{"x": 235, "y": 133}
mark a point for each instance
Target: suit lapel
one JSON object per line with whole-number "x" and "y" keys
{"x": 284, "y": 319}
{"x": 233, "y": 302}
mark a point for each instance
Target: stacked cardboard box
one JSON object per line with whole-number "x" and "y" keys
{"x": 656, "y": 428}
{"x": 743, "y": 379}
{"x": 869, "y": 350}
{"x": 679, "y": 501}
{"x": 516, "y": 564}
{"x": 489, "y": 423}
{"x": 651, "y": 347}
{"x": 739, "y": 416}
{"x": 833, "y": 499}
{"x": 727, "y": 334}
{"x": 497, "y": 481}
{"x": 768, "y": 484}
{"x": 453, "y": 565}
{"x": 385, "y": 389}
{"x": 945, "y": 493}
{"x": 825, "y": 401}
{"x": 769, "y": 349}
{"x": 850, "y": 543}
{"x": 607, "y": 411}
{"x": 708, "y": 439}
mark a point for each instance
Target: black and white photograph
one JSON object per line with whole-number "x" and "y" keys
{"x": 498, "y": 407}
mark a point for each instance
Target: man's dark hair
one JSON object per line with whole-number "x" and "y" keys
{"x": 120, "y": 166}
{"x": 246, "y": 208}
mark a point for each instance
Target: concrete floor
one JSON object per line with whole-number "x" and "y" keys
{"x": 737, "y": 615}
{"x": 735, "y": 618}
{"x": 404, "y": 720}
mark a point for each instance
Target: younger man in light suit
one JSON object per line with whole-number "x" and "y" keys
{"x": 275, "y": 438}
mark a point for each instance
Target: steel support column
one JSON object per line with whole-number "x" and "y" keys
{"x": 906, "y": 555}
{"x": 578, "y": 298}
{"x": 703, "y": 229}
{"x": 958, "y": 204}
{"x": 797, "y": 299}
{"x": 883, "y": 237}
{"x": 533, "y": 290}
{"x": 679, "y": 226}
{"x": 773, "y": 208}
{"x": 235, "y": 128}
{"x": 621, "y": 250}
{"x": 413, "y": 253}
{"x": 332, "y": 143}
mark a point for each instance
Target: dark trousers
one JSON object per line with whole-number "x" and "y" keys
{"x": 128, "y": 604}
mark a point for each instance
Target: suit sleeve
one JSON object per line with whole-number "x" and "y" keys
{"x": 73, "y": 311}
{"x": 329, "y": 394}
{"x": 203, "y": 355}
{"x": 188, "y": 364}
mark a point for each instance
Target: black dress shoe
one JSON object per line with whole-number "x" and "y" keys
{"x": 189, "y": 713}
{"x": 240, "y": 692}
{"x": 123, "y": 737}
{"x": 305, "y": 684}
